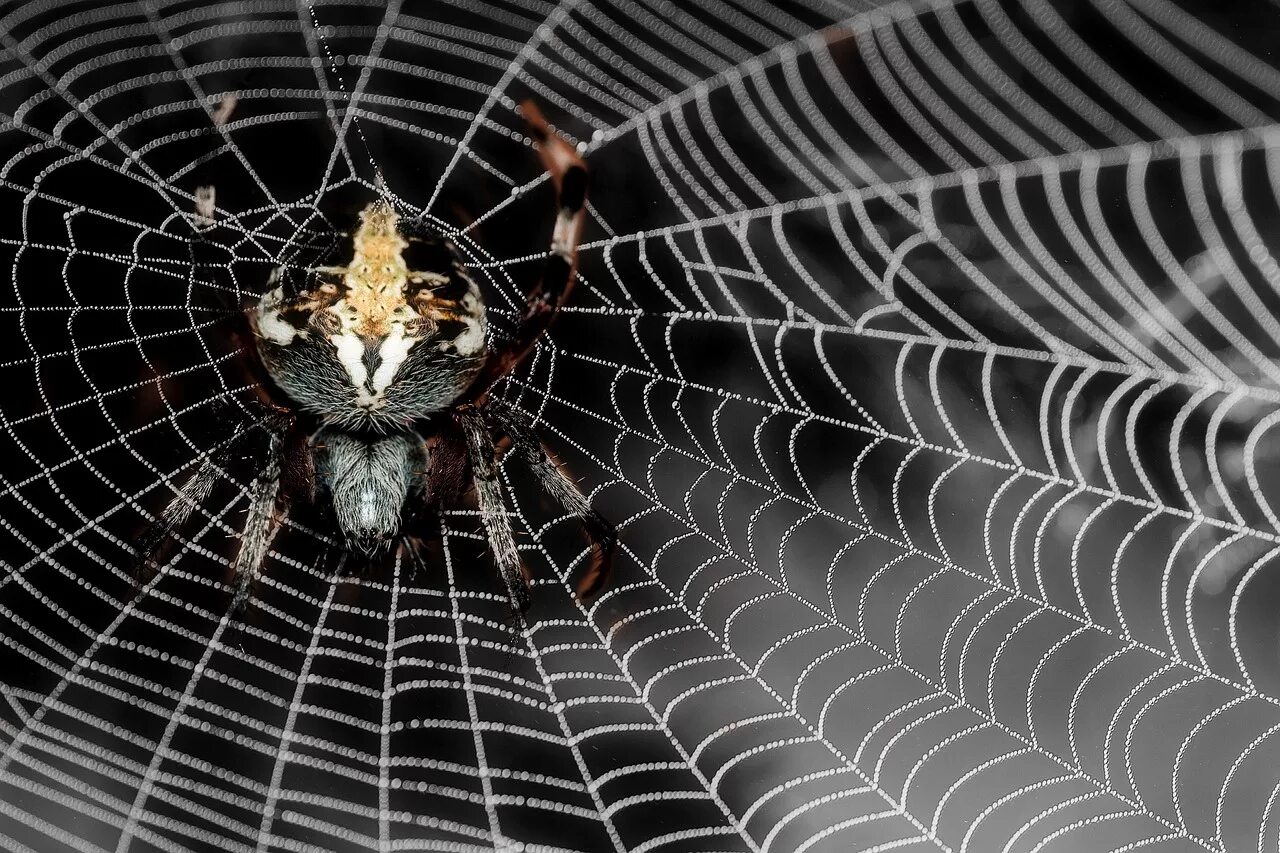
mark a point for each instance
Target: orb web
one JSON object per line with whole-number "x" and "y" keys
{"x": 924, "y": 354}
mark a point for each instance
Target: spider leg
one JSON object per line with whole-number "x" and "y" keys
{"x": 447, "y": 464}
{"x": 204, "y": 221}
{"x": 569, "y": 177}
{"x": 289, "y": 471}
{"x": 601, "y": 535}
{"x": 248, "y": 366}
{"x": 298, "y": 463}
{"x": 191, "y": 494}
{"x": 260, "y": 524}
{"x": 271, "y": 488}
{"x": 493, "y": 511}
{"x": 299, "y": 474}
{"x": 289, "y": 475}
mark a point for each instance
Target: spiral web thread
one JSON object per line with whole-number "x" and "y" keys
{"x": 926, "y": 357}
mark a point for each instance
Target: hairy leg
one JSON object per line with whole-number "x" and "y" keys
{"x": 288, "y": 473}
{"x": 446, "y": 475}
{"x": 493, "y": 510}
{"x": 260, "y": 524}
{"x": 266, "y": 499}
{"x": 187, "y": 497}
{"x": 601, "y": 535}
{"x": 298, "y": 476}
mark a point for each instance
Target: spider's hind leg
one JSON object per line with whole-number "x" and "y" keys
{"x": 191, "y": 494}
{"x": 260, "y": 524}
{"x": 493, "y": 511}
{"x": 601, "y": 535}
{"x": 287, "y": 478}
{"x": 276, "y": 486}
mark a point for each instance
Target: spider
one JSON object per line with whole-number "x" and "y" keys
{"x": 375, "y": 378}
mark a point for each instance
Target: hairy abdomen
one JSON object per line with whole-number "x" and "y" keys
{"x": 368, "y": 478}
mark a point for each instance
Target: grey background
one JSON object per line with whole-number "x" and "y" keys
{"x": 925, "y": 357}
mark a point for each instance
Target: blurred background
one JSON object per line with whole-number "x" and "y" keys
{"x": 926, "y": 356}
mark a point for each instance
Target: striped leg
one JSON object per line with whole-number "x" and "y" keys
{"x": 569, "y": 177}
{"x": 601, "y": 535}
{"x": 493, "y": 510}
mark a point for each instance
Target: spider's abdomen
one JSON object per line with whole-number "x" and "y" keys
{"x": 368, "y": 479}
{"x": 374, "y": 344}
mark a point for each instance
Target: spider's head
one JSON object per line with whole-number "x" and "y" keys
{"x": 395, "y": 334}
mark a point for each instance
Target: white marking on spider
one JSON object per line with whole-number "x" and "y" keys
{"x": 392, "y": 352}
{"x": 270, "y": 326}
{"x": 351, "y": 354}
{"x": 206, "y": 208}
{"x": 470, "y": 341}
{"x": 563, "y": 238}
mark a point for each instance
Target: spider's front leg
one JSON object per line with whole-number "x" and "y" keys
{"x": 569, "y": 176}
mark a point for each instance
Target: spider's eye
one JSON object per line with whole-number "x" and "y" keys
{"x": 386, "y": 268}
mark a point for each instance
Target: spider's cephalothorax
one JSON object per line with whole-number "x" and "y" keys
{"x": 376, "y": 377}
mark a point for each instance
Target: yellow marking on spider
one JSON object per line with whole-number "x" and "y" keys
{"x": 376, "y": 276}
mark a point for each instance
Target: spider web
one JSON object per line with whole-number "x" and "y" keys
{"x": 926, "y": 357}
